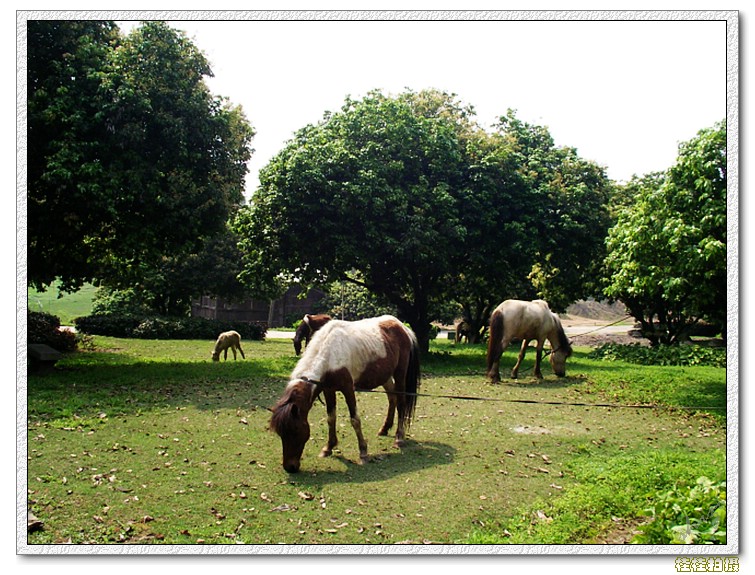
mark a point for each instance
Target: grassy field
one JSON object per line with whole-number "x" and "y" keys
{"x": 66, "y": 306}
{"x": 150, "y": 442}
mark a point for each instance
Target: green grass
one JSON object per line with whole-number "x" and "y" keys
{"x": 150, "y": 442}
{"x": 66, "y": 306}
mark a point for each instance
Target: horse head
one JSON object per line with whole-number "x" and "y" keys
{"x": 289, "y": 421}
{"x": 560, "y": 354}
{"x": 302, "y": 332}
{"x": 558, "y": 361}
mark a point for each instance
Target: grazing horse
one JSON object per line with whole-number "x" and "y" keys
{"x": 534, "y": 320}
{"x": 308, "y": 326}
{"x": 463, "y": 329}
{"x": 226, "y": 340}
{"x": 344, "y": 357}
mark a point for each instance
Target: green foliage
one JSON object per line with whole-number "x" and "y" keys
{"x": 139, "y": 326}
{"x": 687, "y": 515}
{"x": 427, "y": 207}
{"x": 351, "y": 301}
{"x": 667, "y": 252}
{"x": 132, "y": 160}
{"x": 45, "y": 328}
{"x": 610, "y": 489}
{"x": 662, "y": 354}
{"x": 109, "y": 301}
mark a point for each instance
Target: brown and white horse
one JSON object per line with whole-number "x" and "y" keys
{"x": 308, "y": 326}
{"x": 528, "y": 320}
{"x": 344, "y": 357}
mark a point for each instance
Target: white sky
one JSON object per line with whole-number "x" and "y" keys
{"x": 624, "y": 93}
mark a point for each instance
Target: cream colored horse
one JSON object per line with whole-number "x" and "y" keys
{"x": 226, "y": 340}
{"x": 526, "y": 320}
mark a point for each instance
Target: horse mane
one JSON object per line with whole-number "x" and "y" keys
{"x": 563, "y": 341}
{"x": 295, "y": 397}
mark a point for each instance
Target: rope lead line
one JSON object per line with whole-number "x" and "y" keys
{"x": 538, "y": 402}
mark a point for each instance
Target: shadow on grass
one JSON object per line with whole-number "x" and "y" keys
{"x": 381, "y": 466}
{"x": 128, "y": 388}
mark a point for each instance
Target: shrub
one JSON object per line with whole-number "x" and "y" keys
{"x": 139, "y": 327}
{"x": 681, "y": 355}
{"x": 45, "y": 328}
{"x": 687, "y": 515}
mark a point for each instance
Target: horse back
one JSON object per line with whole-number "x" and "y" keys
{"x": 369, "y": 350}
{"x": 527, "y": 319}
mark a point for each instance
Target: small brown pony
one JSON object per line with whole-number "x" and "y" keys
{"x": 526, "y": 320}
{"x": 344, "y": 357}
{"x": 308, "y": 326}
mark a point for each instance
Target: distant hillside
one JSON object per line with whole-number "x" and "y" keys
{"x": 67, "y": 307}
{"x": 592, "y": 309}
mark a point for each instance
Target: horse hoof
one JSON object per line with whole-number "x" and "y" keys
{"x": 326, "y": 452}
{"x": 399, "y": 443}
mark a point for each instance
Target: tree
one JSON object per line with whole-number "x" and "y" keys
{"x": 372, "y": 188}
{"x": 134, "y": 160}
{"x": 569, "y": 226}
{"x": 537, "y": 224}
{"x": 667, "y": 252}
{"x": 422, "y": 203}
{"x": 64, "y": 206}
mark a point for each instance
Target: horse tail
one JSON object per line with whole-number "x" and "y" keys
{"x": 495, "y": 339}
{"x": 412, "y": 381}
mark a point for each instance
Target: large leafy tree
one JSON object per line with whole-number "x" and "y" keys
{"x": 372, "y": 188}
{"x": 132, "y": 159}
{"x": 539, "y": 218}
{"x": 422, "y": 203}
{"x": 569, "y": 225}
{"x": 667, "y": 252}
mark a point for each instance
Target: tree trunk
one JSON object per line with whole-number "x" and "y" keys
{"x": 417, "y": 317}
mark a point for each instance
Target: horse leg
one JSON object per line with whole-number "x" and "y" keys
{"x": 391, "y": 411}
{"x": 242, "y": 352}
{"x": 225, "y": 354}
{"x": 233, "y": 349}
{"x": 330, "y": 406}
{"x": 356, "y": 423}
{"x": 515, "y": 371}
{"x": 538, "y": 358}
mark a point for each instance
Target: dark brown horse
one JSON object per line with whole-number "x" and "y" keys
{"x": 345, "y": 357}
{"x": 308, "y": 326}
{"x": 526, "y": 320}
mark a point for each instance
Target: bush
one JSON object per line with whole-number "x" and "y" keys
{"x": 45, "y": 328}
{"x": 687, "y": 515}
{"x": 681, "y": 355}
{"x": 139, "y": 327}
